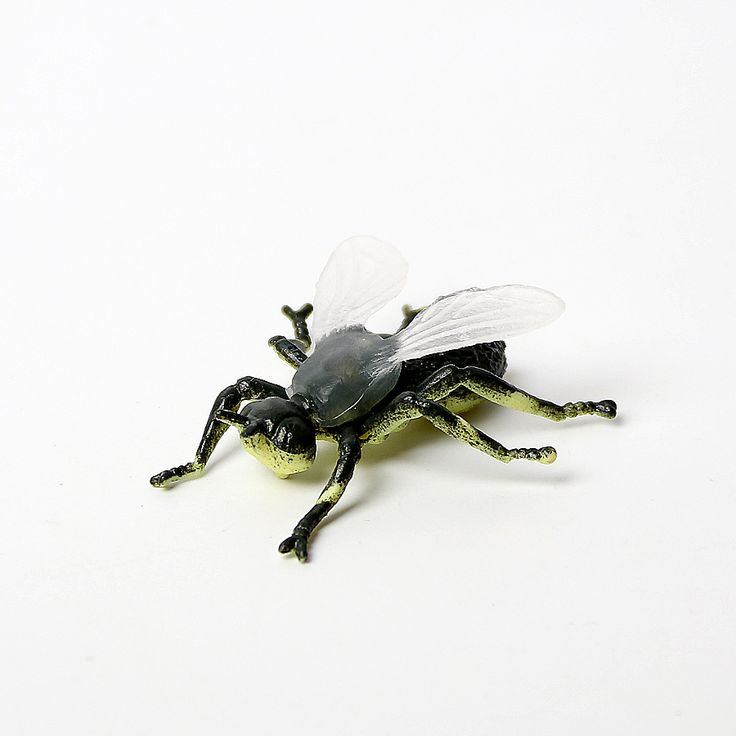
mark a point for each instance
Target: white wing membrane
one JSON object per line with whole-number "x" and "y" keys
{"x": 362, "y": 275}
{"x": 476, "y": 315}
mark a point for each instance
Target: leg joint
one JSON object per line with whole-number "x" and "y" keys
{"x": 245, "y": 385}
{"x": 409, "y": 400}
{"x": 443, "y": 381}
{"x": 230, "y": 395}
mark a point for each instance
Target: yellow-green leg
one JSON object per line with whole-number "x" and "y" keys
{"x": 492, "y": 388}
{"x": 409, "y": 405}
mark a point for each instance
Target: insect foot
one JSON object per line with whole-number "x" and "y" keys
{"x": 297, "y": 543}
{"x": 294, "y": 314}
{"x": 606, "y": 409}
{"x": 544, "y": 455}
{"x": 167, "y": 478}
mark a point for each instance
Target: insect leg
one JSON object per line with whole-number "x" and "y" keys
{"x": 409, "y": 405}
{"x": 298, "y": 319}
{"x": 349, "y": 455}
{"x": 409, "y": 314}
{"x": 492, "y": 388}
{"x": 288, "y": 350}
{"x": 230, "y": 398}
{"x": 291, "y": 350}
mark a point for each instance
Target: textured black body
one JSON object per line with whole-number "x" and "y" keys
{"x": 490, "y": 356}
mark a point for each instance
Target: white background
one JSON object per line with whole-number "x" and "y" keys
{"x": 174, "y": 172}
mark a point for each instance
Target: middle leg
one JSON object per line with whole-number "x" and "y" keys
{"x": 410, "y": 405}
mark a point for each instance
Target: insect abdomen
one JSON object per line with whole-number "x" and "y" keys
{"x": 488, "y": 355}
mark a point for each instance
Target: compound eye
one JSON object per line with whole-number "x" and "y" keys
{"x": 293, "y": 435}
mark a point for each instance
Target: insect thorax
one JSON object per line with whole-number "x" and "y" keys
{"x": 346, "y": 376}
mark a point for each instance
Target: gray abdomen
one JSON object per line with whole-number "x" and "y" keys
{"x": 346, "y": 376}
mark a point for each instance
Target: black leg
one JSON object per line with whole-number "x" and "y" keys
{"x": 349, "y": 455}
{"x": 298, "y": 319}
{"x": 229, "y": 399}
{"x": 492, "y": 388}
{"x": 288, "y": 350}
{"x": 409, "y": 314}
{"x": 292, "y": 351}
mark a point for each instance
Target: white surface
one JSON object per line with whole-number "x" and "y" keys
{"x": 173, "y": 173}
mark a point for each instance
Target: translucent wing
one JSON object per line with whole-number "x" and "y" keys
{"x": 475, "y": 315}
{"x": 361, "y": 276}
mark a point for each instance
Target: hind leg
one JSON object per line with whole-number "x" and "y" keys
{"x": 230, "y": 398}
{"x": 495, "y": 389}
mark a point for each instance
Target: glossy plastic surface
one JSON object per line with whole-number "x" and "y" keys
{"x": 346, "y": 376}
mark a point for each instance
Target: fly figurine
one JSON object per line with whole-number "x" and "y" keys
{"x": 356, "y": 387}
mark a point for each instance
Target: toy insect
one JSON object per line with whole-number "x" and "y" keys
{"x": 357, "y": 387}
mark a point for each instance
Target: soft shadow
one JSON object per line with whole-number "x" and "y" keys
{"x": 224, "y": 454}
{"x": 418, "y": 437}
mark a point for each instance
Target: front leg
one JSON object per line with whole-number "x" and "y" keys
{"x": 230, "y": 399}
{"x": 288, "y": 350}
{"x": 298, "y": 319}
{"x": 349, "y": 455}
{"x": 291, "y": 350}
